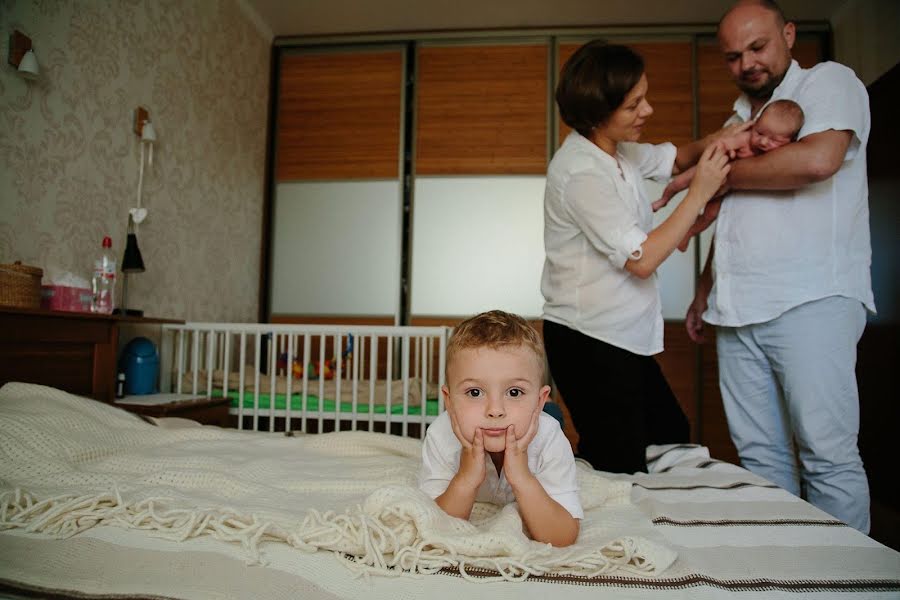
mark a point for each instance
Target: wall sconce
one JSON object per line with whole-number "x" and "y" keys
{"x": 132, "y": 261}
{"x": 145, "y": 130}
{"x": 148, "y": 133}
{"x": 21, "y": 55}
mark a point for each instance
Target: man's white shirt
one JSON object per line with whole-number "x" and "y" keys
{"x": 777, "y": 250}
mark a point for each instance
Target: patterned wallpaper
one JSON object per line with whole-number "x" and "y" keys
{"x": 69, "y": 160}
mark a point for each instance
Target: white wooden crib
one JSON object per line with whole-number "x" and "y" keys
{"x": 311, "y": 378}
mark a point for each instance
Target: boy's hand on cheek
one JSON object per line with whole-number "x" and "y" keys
{"x": 471, "y": 460}
{"x": 515, "y": 458}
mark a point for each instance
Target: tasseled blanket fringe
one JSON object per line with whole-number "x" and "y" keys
{"x": 366, "y": 543}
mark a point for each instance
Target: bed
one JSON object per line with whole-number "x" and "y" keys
{"x": 97, "y": 502}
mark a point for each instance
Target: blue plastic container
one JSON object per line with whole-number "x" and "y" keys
{"x": 140, "y": 362}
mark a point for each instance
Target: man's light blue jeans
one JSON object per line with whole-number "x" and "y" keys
{"x": 793, "y": 379}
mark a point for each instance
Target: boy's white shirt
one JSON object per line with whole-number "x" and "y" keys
{"x": 550, "y": 459}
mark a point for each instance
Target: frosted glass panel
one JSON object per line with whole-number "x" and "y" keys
{"x": 336, "y": 248}
{"x": 676, "y": 274}
{"x": 478, "y": 244}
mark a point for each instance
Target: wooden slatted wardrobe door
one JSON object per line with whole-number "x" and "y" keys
{"x": 481, "y": 110}
{"x": 670, "y": 89}
{"x": 339, "y": 115}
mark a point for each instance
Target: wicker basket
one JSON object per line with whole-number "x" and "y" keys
{"x": 20, "y": 285}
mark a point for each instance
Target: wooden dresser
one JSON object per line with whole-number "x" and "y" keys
{"x": 75, "y": 352}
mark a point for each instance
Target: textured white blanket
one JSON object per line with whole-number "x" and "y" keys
{"x": 69, "y": 463}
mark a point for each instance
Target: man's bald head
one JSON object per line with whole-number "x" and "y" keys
{"x": 756, "y": 42}
{"x": 768, "y": 5}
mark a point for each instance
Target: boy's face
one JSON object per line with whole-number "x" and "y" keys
{"x": 493, "y": 389}
{"x": 770, "y": 132}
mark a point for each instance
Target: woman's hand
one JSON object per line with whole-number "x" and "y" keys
{"x": 712, "y": 169}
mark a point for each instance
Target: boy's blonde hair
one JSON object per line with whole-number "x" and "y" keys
{"x": 496, "y": 329}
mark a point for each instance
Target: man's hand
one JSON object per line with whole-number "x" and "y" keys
{"x": 472, "y": 471}
{"x": 694, "y": 319}
{"x": 515, "y": 457}
{"x": 710, "y": 212}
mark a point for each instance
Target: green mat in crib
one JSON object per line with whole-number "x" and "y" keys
{"x": 312, "y": 404}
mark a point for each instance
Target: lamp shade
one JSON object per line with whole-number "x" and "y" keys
{"x": 28, "y": 67}
{"x": 148, "y": 133}
{"x": 132, "y": 261}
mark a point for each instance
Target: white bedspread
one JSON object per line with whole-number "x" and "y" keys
{"x": 735, "y": 534}
{"x": 68, "y": 464}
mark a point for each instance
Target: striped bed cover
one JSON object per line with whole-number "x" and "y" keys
{"x": 736, "y": 535}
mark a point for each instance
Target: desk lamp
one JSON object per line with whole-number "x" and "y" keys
{"x": 132, "y": 262}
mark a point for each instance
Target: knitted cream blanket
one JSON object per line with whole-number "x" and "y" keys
{"x": 69, "y": 463}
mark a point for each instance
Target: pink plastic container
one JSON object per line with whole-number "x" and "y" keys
{"x": 61, "y": 297}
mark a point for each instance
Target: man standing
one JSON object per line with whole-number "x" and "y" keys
{"x": 787, "y": 282}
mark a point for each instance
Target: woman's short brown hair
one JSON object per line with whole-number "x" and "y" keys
{"x": 594, "y": 83}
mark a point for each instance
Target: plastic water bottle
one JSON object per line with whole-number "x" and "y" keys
{"x": 103, "y": 282}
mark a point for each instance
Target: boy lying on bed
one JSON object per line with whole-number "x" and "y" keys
{"x": 494, "y": 443}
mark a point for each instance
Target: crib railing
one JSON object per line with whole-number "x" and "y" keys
{"x": 311, "y": 377}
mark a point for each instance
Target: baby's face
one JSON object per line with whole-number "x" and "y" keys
{"x": 493, "y": 389}
{"x": 770, "y": 132}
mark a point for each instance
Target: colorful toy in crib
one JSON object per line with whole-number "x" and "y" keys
{"x": 327, "y": 371}
{"x": 324, "y": 369}
{"x": 296, "y": 367}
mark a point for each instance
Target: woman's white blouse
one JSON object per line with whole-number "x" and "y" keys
{"x": 595, "y": 216}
